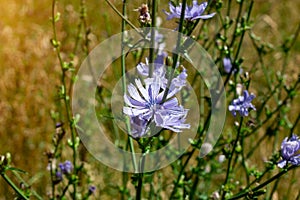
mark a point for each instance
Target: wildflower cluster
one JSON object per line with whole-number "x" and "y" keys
{"x": 242, "y": 104}
{"x": 145, "y": 103}
{"x": 64, "y": 168}
{"x": 154, "y": 101}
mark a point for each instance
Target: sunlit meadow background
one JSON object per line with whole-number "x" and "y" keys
{"x": 29, "y": 74}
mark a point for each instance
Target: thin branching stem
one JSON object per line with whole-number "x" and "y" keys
{"x": 176, "y": 55}
{"x": 152, "y": 42}
{"x": 246, "y": 192}
{"x": 66, "y": 97}
{"x": 17, "y": 190}
{"x": 124, "y": 85}
{"x": 232, "y": 154}
{"x": 124, "y": 17}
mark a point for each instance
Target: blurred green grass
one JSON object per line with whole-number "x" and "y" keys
{"x": 29, "y": 71}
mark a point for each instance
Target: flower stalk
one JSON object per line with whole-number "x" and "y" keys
{"x": 66, "y": 98}
{"x": 17, "y": 190}
{"x": 245, "y": 193}
{"x": 124, "y": 85}
{"x": 152, "y": 40}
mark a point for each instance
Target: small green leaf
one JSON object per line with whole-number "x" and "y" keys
{"x": 70, "y": 143}
{"x": 17, "y": 170}
{"x": 238, "y": 148}
{"x": 77, "y": 142}
{"x": 55, "y": 43}
{"x": 76, "y": 118}
{"x": 57, "y": 17}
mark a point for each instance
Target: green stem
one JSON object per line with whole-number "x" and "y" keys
{"x": 66, "y": 98}
{"x": 191, "y": 153}
{"x": 152, "y": 191}
{"x": 153, "y": 25}
{"x": 241, "y": 40}
{"x": 268, "y": 97}
{"x": 228, "y": 8}
{"x": 274, "y": 188}
{"x": 259, "y": 141}
{"x": 243, "y": 33}
{"x": 231, "y": 155}
{"x": 295, "y": 125}
{"x": 140, "y": 181}
{"x": 18, "y": 191}
{"x": 21, "y": 180}
{"x": 52, "y": 181}
{"x": 196, "y": 181}
{"x": 64, "y": 191}
{"x": 237, "y": 22}
{"x": 244, "y": 193}
{"x": 176, "y": 54}
{"x": 264, "y": 69}
{"x": 175, "y": 59}
{"x": 124, "y": 86}
{"x": 259, "y": 178}
{"x": 124, "y": 18}
{"x": 86, "y": 41}
{"x": 287, "y": 98}
{"x": 244, "y": 160}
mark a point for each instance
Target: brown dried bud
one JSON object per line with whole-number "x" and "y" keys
{"x": 145, "y": 17}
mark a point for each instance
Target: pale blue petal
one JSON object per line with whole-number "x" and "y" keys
{"x": 142, "y": 89}
{"x": 143, "y": 69}
{"x": 133, "y": 103}
{"x": 133, "y": 111}
{"x": 282, "y": 164}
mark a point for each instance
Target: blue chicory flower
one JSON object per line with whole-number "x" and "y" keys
{"x": 191, "y": 12}
{"x": 159, "y": 45}
{"x": 242, "y": 104}
{"x": 59, "y": 176}
{"x": 159, "y": 38}
{"x": 227, "y": 65}
{"x": 66, "y": 167}
{"x": 144, "y": 102}
{"x": 159, "y": 70}
{"x": 92, "y": 189}
{"x": 173, "y": 118}
{"x": 289, "y": 151}
{"x": 58, "y": 125}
